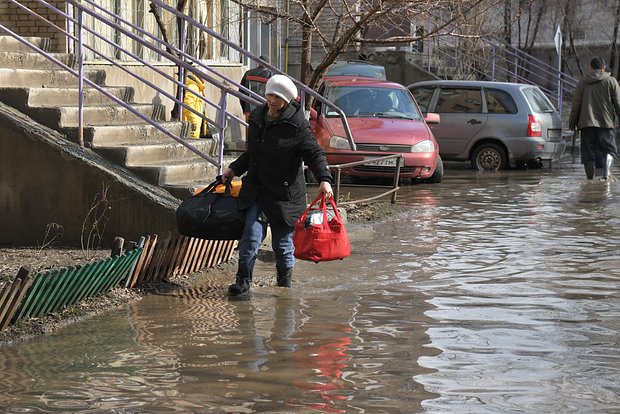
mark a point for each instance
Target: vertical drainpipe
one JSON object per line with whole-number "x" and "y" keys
{"x": 80, "y": 56}
{"x": 288, "y": 10}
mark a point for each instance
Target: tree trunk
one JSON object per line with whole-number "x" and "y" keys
{"x": 614, "y": 44}
{"x": 508, "y": 21}
{"x": 306, "y": 49}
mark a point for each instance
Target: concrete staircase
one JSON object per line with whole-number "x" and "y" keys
{"x": 42, "y": 90}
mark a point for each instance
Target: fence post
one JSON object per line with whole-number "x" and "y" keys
{"x": 117, "y": 249}
{"x": 19, "y": 286}
{"x": 222, "y": 123}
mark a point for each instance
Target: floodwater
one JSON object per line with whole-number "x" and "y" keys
{"x": 492, "y": 293}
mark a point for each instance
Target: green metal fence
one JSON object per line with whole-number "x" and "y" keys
{"x": 153, "y": 259}
{"x": 56, "y": 289}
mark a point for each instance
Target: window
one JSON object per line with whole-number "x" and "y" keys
{"x": 423, "y": 97}
{"x": 459, "y": 101}
{"x": 499, "y": 102}
{"x": 537, "y": 100}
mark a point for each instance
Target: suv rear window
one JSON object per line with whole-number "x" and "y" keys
{"x": 499, "y": 102}
{"x": 537, "y": 100}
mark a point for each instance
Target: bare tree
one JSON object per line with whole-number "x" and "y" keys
{"x": 338, "y": 25}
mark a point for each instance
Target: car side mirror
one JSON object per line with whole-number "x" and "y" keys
{"x": 432, "y": 118}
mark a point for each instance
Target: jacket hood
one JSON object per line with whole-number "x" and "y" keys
{"x": 595, "y": 76}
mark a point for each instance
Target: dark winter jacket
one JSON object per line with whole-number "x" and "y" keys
{"x": 273, "y": 162}
{"x": 596, "y": 101}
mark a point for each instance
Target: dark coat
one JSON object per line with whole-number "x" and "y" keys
{"x": 596, "y": 101}
{"x": 273, "y": 162}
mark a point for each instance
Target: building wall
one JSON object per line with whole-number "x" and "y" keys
{"x": 45, "y": 180}
{"x": 24, "y": 24}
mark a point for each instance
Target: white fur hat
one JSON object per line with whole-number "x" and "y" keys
{"x": 282, "y": 86}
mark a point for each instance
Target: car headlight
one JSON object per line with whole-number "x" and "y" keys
{"x": 423, "y": 146}
{"x": 337, "y": 142}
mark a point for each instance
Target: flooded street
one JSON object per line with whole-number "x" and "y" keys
{"x": 492, "y": 293}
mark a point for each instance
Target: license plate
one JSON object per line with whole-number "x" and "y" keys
{"x": 390, "y": 162}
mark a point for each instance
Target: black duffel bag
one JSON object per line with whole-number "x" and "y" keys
{"x": 211, "y": 215}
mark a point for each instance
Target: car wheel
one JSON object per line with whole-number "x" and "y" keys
{"x": 438, "y": 174}
{"x": 489, "y": 157}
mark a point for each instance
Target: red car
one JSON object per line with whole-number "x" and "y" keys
{"x": 384, "y": 119}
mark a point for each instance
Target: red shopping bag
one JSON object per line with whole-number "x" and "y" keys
{"x": 319, "y": 239}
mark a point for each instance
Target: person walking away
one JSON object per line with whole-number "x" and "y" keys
{"x": 279, "y": 141}
{"x": 596, "y": 103}
{"x": 255, "y": 80}
{"x": 192, "y": 98}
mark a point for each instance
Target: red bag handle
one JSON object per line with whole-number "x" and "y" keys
{"x": 323, "y": 206}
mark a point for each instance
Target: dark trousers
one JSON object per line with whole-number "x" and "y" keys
{"x": 597, "y": 143}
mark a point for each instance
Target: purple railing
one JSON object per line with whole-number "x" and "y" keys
{"x": 75, "y": 29}
{"x": 497, "y": 61}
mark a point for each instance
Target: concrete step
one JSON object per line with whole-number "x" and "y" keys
{"x": 35, "y": 78}
{"x": 137, "y": 155}
{"x": 9, "y": 43}
{"x": 22, "y": 98}
{"x": 24, "y": 60}
{"x": 174, "y": 173}
{"x": 67, "y": 116}
{"x": 117, "y": 135}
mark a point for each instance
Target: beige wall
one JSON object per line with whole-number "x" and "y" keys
{"x": 45, "y": 179}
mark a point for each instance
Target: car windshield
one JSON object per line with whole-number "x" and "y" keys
{"x": 537, "y": 100}
{"x": 365, "y": 102}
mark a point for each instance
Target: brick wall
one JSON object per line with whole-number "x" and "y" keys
{"x": 24, "y": 24}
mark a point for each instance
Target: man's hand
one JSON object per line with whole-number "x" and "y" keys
{"x": 326, "y": 188}
{"x": 227, "y": 175}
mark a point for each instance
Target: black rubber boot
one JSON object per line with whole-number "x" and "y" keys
{"x": 239, "y": 288}
{"x": 285, "y": 276}
{"x": 590, "y": 168}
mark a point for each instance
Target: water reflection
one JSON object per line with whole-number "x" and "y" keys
{"x": 491, "y": 293}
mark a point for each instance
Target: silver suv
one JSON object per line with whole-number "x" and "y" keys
{"x": 494, "y": 125}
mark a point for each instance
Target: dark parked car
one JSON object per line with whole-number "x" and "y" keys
{"x": 494, "y": 125}
{"x": 384, "y": 119}
{"x": 359, "y": 68}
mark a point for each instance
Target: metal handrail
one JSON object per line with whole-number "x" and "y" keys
{"x": 339, "y": 167}
{"x": 177, "y": 56}
{"x": 513, "y": 65}
{"x": 303, "y": 88}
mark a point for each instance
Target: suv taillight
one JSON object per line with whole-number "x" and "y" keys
{"x": 534, "y": 129}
